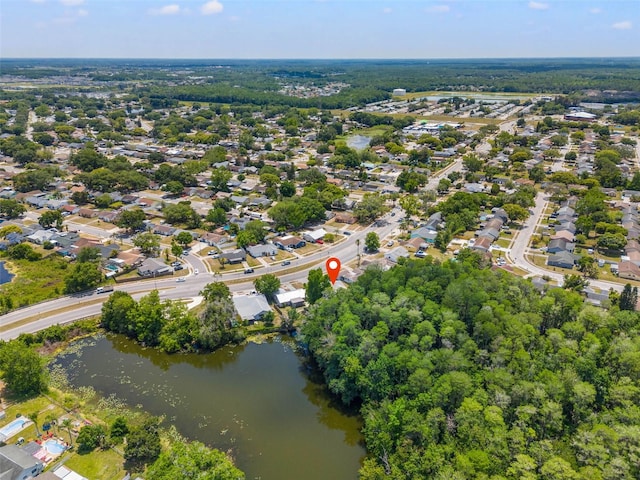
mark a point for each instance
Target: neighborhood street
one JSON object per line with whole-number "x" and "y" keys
{"x": 70, "y": 308}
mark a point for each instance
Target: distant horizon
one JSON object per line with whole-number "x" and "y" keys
{"x": 312, "y": 59}
{"x": 319, "y": 29}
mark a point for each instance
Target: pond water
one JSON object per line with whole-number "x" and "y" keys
{"x": 358, "y": 142}
{"x": 5, "y": 275}
{"x": 258, "y": 401}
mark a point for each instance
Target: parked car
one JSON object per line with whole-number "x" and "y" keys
{"x": 421, "y": 254}
{"x": 320, "y": 241}
{"x": 178, "y": 267}
{"x": 390, "y": 243}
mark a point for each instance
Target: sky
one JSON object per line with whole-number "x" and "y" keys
{"x": 332, "y": 29}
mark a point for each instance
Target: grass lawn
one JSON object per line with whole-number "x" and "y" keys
{"x": 308, "y": 249}
{"x": 102, "y": 464}
{"x": 253, "y": 262}
{"x": 35, "y": 281}
{"x": 503, "y": 242}
{"x": 280, "y": 256}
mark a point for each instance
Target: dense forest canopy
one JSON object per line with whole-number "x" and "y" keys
{"x": 464, "y": 373}
{"x": 369, "y": 80}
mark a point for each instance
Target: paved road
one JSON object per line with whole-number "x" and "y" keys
{"x": 519, "y": 247}
{"x": 40, "y": 316}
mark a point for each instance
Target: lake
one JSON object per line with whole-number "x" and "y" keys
{"x": 358, "y": 142}
{"x": 259, "y": 401}
{"x": 5, "y": 275}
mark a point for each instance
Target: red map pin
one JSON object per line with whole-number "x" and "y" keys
{"x": 333, "y": 269}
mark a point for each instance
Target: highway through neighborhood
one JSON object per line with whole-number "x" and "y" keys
{"x": 75, "y": 307}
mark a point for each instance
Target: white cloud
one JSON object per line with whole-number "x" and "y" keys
{"x": 212, "y": 7}
{"x": 387, "y": 10}
{"x": 438, "y": 9}
{"x": 71, "y": 3}
{"x": 626, "y": 25}
{"x": 82, "y": 12}
{"x": 595, "y": 10}
{"x": 538, "y": 6}
{"x": 37, "y": 1}
{"x": 172, "y": 9}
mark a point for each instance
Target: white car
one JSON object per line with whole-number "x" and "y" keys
{"x": 195, "y": 271}
{"x": 181, "y": 279}
{"x": 390, "y": 243}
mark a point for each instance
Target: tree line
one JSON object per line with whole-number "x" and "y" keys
{"x": 461, "y": 372}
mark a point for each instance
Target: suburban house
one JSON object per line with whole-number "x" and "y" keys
{"x": 262, "y": 250}
{"x": 425, "y": 233}
{"x": 16, "y": 464}
{"x": 628, "y": 270}
{"x": 40, "y": 236}
{"x": 87, "y": 213}
{"x": 396, "y": 254}
{"x": 289, "y": 241}
{"x": 314, "y": 235}
{"x": 164, "y": 230}
{"x": 561, "y": 259}
{"x": 482, "y": 243}
{"x": 345, "y": 217}
{"x": 152, "y": 267}
{"x": 251, "y": 308}
{"x": 235, "y": 256}
{"x": 294, "y": 298}
{"x": 560, "y": 245}
{"x": 213, "y": 239}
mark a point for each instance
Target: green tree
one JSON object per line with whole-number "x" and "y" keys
{"x": 143, "y": 444}
{"x": 287, "y": 189}
{"x": 50, "y": 218}
{"x": 268, "y": 285}
{"x": 219, "y": 179}
{"x": 115, "y": 312}
{"x": 370, "y": 207}
{"x": 90, "y": 438}
{"x": 195, "y": 461}
{"x": 184, "y": 239}
{"x": 588, "y": 266}
{"x": 628, "y": 298}
{"x": 516, "y": 212}
{"x": 67, "y": 424}
{"x": 88, "y": 254}
{"x": 217, "y": 216}
{"x": 23, "y": 370}
{"x": 131, "y": 220}
{"x": 33, "y": 416}
{"x": 317, "y": 284}
{"x": 119, "y": 429}
{"x": 611, "y": 241}
{"x": 83, "y": 276}
{"x": 245, "y": 238}
{"x": 372, "y": 242}
{"x": 216, "y": 291}
{"x": 11, "y": 208}
{"x": 148, "y": 243}
{"x": 8, "y": 229}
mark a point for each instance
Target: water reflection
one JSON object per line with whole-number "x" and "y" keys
{"x": 258, "y": 401}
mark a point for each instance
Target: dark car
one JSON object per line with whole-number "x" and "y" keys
{"x": 248, "y": 270}
{"x": 178, "y": 267}
{"x": 285, "y": 263}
